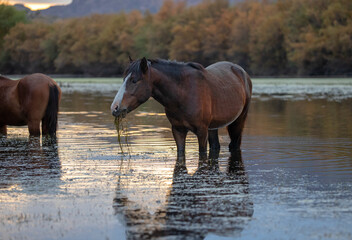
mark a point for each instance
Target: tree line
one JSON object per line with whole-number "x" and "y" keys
{"x": 284, "y": 37}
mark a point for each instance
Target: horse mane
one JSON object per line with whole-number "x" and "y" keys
{"x": 195, "y": 65}
{"x": 133, "y": 67}
{"x": 174, "y": 69}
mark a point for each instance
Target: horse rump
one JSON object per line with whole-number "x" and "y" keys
{"x": 49, "y": 121}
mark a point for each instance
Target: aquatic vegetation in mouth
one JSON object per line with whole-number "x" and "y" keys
{"x": 122, "y": 131}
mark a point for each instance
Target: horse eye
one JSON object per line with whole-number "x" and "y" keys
{"x": 134, "y": 80}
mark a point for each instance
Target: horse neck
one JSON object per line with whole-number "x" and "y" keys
{"x": 4, "y": 81}
{"x": 7, "y": 82}
{"x": 165, "y": 88}
{"x": 6, "y": 85}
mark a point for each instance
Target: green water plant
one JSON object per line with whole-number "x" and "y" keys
{"x": 122, "y": 131}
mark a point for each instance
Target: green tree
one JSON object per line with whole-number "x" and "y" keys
{"x": 216, "y": 41}
{"x": 160, "y": 37}
{"x": 319, "y": 36}
{"x": 79, "y": 46}
{"x": 117, "y": 41}
{"x": 195, "y": 32}
{"x": 239, "y": 35}
{"x": 9, "y": 17}
{"x": 267, "y": 47}
{"x": 187, "y": 42}
{"x": 25, "y": 49}
{"x": 299, "y": 37}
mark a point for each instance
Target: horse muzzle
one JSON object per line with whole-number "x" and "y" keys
{"x": 120, "y": 113}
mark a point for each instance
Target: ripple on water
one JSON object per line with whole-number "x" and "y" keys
{"x": 292, "y": 183}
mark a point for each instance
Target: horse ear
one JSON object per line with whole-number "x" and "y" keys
{"x": 144, "y": 65}
{"x": 129, "y": 57}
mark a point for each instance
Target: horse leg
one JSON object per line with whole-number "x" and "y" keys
{"x": 202, "y": 135}
{"x": 47, "y": 137}
{"x": 34, "y": 128}
{"x": 45, "y": 129}
{"x": 235, "y": 130}
{"x": 3, "y": 130}
{"x": 180, "y": 134}
{"x": 34, "y": 143}
{"x": 214, "y": 144}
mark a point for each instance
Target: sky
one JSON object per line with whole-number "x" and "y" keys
{"x": 40, "y": 4}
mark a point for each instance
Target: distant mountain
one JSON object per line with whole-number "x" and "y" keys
{"x": 21, "y": 7}
{"x": 79, "y": 8}
{"x": 31, "y": 14}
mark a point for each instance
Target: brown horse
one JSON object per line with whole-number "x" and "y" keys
{"x": 29, "y": 101}
{"x": 195, "y": 98}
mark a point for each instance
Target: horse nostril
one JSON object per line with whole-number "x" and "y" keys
{"x": 119, "y": 112}
{"x": 115, "y": 112}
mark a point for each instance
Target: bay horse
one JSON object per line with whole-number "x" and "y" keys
{"x": 29, "y": 101}
{"x": 195, "y": 98}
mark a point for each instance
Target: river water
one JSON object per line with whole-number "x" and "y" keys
{"x": 292, "y": 180}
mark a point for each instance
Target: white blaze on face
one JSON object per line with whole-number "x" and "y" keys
{"x": 118, "y": 98}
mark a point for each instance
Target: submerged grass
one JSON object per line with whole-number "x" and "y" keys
{"x": 122, "y": 131}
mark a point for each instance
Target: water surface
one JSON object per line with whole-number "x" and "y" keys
{"x": 292, "y": 180}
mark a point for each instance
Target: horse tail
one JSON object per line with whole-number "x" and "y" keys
{"x": 51, "y": 112}
{"x": 235, "y": 129}
{"x": 245, "y": 78}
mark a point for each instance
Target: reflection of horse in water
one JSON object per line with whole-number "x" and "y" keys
{"x": 26, "y": 163}
{"x": 209, "y": 201}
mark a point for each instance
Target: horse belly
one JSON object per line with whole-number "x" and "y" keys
{"x": 226, "y": 107}
{"x": 10, "y": 110}
{"x": 12, "y": 117}
{"x": 224, "y": 121}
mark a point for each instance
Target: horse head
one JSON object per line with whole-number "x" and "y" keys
{"x": 135, "y": 90}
